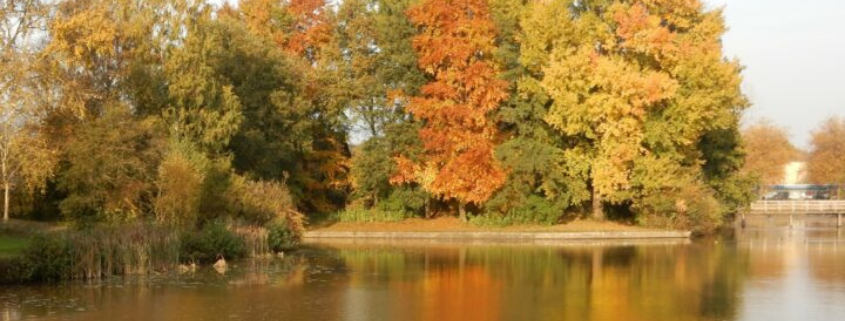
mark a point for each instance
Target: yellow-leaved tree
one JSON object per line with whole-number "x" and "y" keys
{"x": 639, "y": 84}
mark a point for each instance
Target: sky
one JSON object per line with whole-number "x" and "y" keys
{"x": 793, "y": 55}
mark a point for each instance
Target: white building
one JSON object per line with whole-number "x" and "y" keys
{"x": 795, "y": 173}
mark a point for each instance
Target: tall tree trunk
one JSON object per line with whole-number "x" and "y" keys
{"x": 427, "y": 206}
{"x": 462, "y": 211}
{"x": 6, "y": 202}
{"x": 598, "y": 207}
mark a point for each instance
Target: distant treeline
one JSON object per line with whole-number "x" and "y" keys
{"x": 769, "y": 150}
{"x": 183, "y": 112}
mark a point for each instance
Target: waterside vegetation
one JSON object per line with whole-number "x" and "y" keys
{"x": 167, "y": 131}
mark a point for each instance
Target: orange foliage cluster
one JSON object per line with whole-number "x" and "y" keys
{"x": 311, "y": 27}
{"x": 453, "y": 46}
{"x": 297, "y": 26}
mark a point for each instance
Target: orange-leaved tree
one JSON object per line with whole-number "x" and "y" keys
{"x": 455, "y": 46}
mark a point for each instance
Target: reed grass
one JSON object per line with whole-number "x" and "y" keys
{"x": 136, "y": 249}
{"x": 104, "y": 251}
{"x": 255, "y": 239}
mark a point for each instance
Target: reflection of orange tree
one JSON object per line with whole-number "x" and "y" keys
{"x": 439, "y": 281}
{"x": 533, "y": 283}
{"x": 460, "y": 293}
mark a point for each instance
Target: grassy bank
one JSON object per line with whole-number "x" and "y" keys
{"x": 12, "y": 245}
{"x": 16, "y": 235}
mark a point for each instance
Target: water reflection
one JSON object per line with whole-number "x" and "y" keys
{"x": 796, "y": 274}
{"x": 757, "y": 275}
{"x": 668, "y": 282}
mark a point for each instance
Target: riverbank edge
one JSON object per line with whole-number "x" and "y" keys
{"x": 500, "y": 235}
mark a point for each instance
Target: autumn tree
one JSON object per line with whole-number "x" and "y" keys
{"x": 103, "y": 89}
{"x": 768, "y": 151}
{"x": 544, "y": 178}
{"x": 306, "y": 110}
{"x": 454, "y": 45}
{"x": 375, "y": 36}
{"x": 724, "y": 157}
{"x": 827, "y": 151}
{"x": 111, "y": 168}
{"x": 202, "y": 105}
{"x": 25, "y": 158}
{"x": 638, "y": 84}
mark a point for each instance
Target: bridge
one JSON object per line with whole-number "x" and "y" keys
{"x": 793, "y": 208}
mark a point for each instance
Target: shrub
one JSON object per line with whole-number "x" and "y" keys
{"x": 491, "y": 219}
{"x": 215, "y": 238}
{"x": 281, "y": 237}
{"x": 261, "y": 202}
{"x": 46, "y": 259}
{"x": 401, "y": 204}
{"x": 693, "y": 207}
{"x": 360, "y": 215}
{"x": 179, "y": 185}
{"x": 403, "y": 199}
{"x": 534, "y": 210}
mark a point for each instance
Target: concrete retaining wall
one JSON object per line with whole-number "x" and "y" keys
{"x": 524, "y": 236}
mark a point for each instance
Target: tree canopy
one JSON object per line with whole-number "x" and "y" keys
{"x": 769, "y": 151}
{"x": 824, "y": 164}
{"x": 526, "y": 111}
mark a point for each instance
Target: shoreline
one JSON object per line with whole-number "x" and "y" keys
{"x": 498, "y": 235}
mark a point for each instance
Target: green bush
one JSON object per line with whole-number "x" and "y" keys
{"x": 360, "y": 215}
{"x": 48, "y": 258}
{"x": 405, "y": 200}
{"x": 215, "y": 238}
{"x": 693, "y": 207}
{"x": 534, "y": 210}
{"x": 491, "y": 220}
{"x": 281, "y": 237}
{"x": 401, "y": 204}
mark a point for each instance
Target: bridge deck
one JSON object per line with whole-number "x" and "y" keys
{"x": 797, "y": 207}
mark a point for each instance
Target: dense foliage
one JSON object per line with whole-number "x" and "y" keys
{"x": 825, "y": 161}
{"x": 769, "y": 151}
{"x": 185, "y": 113}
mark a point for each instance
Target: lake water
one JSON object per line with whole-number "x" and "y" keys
{"x": 765, "y": 275}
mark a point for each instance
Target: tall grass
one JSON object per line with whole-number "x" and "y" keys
{"x": 95, "y": 253}
{"x": 255, "y": 239}
{"x": 103, "y": 251}
{"x": 135, "y": 249}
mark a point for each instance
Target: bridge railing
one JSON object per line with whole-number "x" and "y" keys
{"x": 799, "y": 207}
